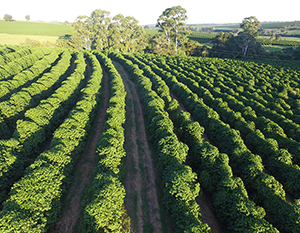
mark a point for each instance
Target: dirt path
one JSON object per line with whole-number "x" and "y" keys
{"x": 141, "y": 199}
{"x": 207, "y": 212}
{"x": 82, "y": 171}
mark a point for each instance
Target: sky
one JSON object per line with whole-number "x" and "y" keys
{"x": 147, "y": 12}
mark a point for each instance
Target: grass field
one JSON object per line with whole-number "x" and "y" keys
{"x": 17, "y": 32}
{"x": 275, "y": 48}
{"x": 288, "y": 38}
{"x": 8, "y": 39}
{"x": 35, "y": 28}
{"x": 230, "y": 27}
{"x": 274, "y": 25}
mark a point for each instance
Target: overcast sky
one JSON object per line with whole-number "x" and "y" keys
{"x": 147, "y": 12}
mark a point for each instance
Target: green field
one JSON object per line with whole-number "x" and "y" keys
{"x": 9, "y": 39}
{"x": 35, "y": 28}
{"x": 152, "y": 31}
{"x": 17, "y": 32}
{"x": 231, "y": 27}
{"x": 274, "y": 25}
{"x": 274, "y": 48}
{"x": 288, "y": 38}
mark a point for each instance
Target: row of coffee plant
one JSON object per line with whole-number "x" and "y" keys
{"x": 17, "y": 65}
{"x": 31, "y": 74}
{"x": 215, "y": 174}
{"x": 9, "y": 57}
{"x": 249, "y": 112}
{"x": 34, "y": 202}
{"x": 263, "y": 188}
{"x": 31, "y": 94}
{"x": 104, "y": 200}
{"x": 253, "y": 133}
{"x": 4, "y": 49}
{"x": 19, "y": 133}
{"x": 180, "y": 186}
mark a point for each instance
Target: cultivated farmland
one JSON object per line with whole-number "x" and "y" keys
{"x": 94, "y": 142}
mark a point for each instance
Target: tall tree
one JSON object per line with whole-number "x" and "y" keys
{"x": 102, "y": 27}
{"x": 228, "y": 45}
{"x": 103, "y": 32}
{"x": 84, "y": 33}
{"x": 225, "y": 45}
{"x": 128, "y": 32}
{"x": 250, "y": 26}
{"x": 27, "y": 17}
{"x": 172, "y": 23}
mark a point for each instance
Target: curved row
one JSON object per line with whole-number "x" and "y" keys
{"x": 22, "y": 63}
{"x": 35, "y": 200}
{"x": 215, "y": 174}
{"x": 103, "y": 200}
{"x": 181, "y": 189}
{"x": 30, "y": 96}
{"x": 267, "y": 191}
{"x": 29, "y": 75}
{"x": 9, "y": 57}
{"x": 38, "y": 124}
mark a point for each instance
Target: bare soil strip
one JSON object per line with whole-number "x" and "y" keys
{"x": 141, "y": 200}
{"x": 82, "y": 171}
{"x": 207, "y": 212}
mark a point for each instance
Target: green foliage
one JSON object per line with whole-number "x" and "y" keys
{"x": 104, "y": 213}
{"x": 228, "y": 45}
{"x": 7, "y": 18}
{"x": 248, "y": 111}
{"x": 212, "y": 167}
{"x": 101, "y": 32}
{"x": 27, "y": 132}
{"x": 104, "y": 199}
{"x": 34, "y": 202}
{"x": 21, "y": 63}
{"x": 172, "y": 25}
{"x": 243, "y": 162}
{"x": 180, "y": 189}
{"x": 230, "y": 191}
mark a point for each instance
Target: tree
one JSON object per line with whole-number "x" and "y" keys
{"x": 7, "y": 18}
{"x": 84, "y": 34}
{"x": 102, "y": 32}
{"x": 278, "y": 37}
{"x": 224, "y": 45}
{"x": 250, "y": 25}
{"x": 102, "y": 28}
{"x": 27, "y": 17}
{"x": 222, "y": 38}
{"x": 172, "y": 23}
{"x": 228, "y": 45}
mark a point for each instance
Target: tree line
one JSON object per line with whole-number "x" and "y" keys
{"x": 123, "y": 34}
{"x": 101, "y": 31}
{"x": 119, "y": 33}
